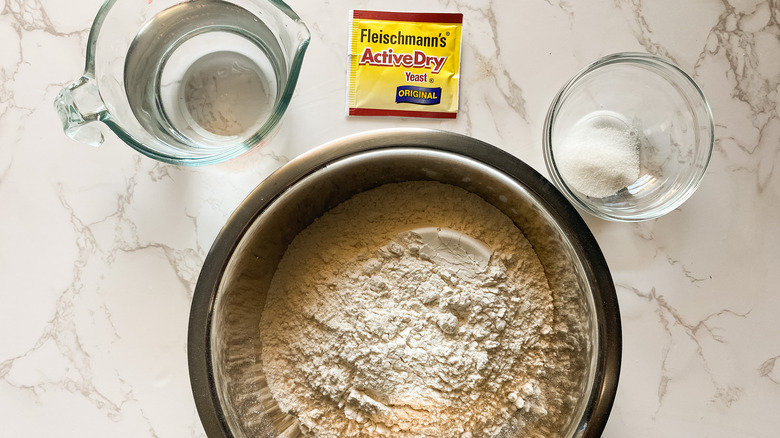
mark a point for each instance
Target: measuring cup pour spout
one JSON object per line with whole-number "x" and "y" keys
{"x": 79, "y": 106}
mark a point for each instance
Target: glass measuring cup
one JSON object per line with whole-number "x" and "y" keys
{"x": 186, "y": 82}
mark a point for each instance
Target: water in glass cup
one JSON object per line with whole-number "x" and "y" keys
{"x": 204, "y": 73}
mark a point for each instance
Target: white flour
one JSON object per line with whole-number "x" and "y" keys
{"x": 411, "y": 310}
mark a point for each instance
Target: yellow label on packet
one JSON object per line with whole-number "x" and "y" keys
{"x": 404, "y": 64}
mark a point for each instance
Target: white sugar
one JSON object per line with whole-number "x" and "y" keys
{"x": 599, "y": 157}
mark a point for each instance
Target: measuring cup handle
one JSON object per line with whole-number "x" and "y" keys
{"x": 79, "y": 106}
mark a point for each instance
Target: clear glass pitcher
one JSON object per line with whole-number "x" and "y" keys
{"x": 186, "y": 82}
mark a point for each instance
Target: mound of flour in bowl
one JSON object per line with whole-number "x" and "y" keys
{"x": 411, "y": 310}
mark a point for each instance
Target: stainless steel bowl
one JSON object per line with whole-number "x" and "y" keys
{"x": 224, "y": 348}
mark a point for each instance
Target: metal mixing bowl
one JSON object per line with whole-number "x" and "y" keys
{"x": 226, "y": 370}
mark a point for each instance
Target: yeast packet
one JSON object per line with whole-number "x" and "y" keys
{"x": 404, "y": 64}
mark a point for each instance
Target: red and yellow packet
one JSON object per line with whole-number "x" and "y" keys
{"x": 404, "y": 64}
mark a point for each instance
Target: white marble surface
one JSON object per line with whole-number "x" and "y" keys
{"x": 100, "y": 247}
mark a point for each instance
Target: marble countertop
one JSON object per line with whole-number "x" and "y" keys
{"x": 100, "y": 248}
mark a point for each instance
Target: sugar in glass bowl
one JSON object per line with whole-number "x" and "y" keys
{"x": 628, "y": 138}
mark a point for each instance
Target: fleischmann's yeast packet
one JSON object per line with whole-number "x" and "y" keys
{"x": 404, "y": 64}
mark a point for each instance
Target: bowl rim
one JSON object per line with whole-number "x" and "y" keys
{"x": 636, "y": 58}
{"x": 609, "y": 345}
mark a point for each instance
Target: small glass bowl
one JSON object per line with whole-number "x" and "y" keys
{"x": 660, "y": 107}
